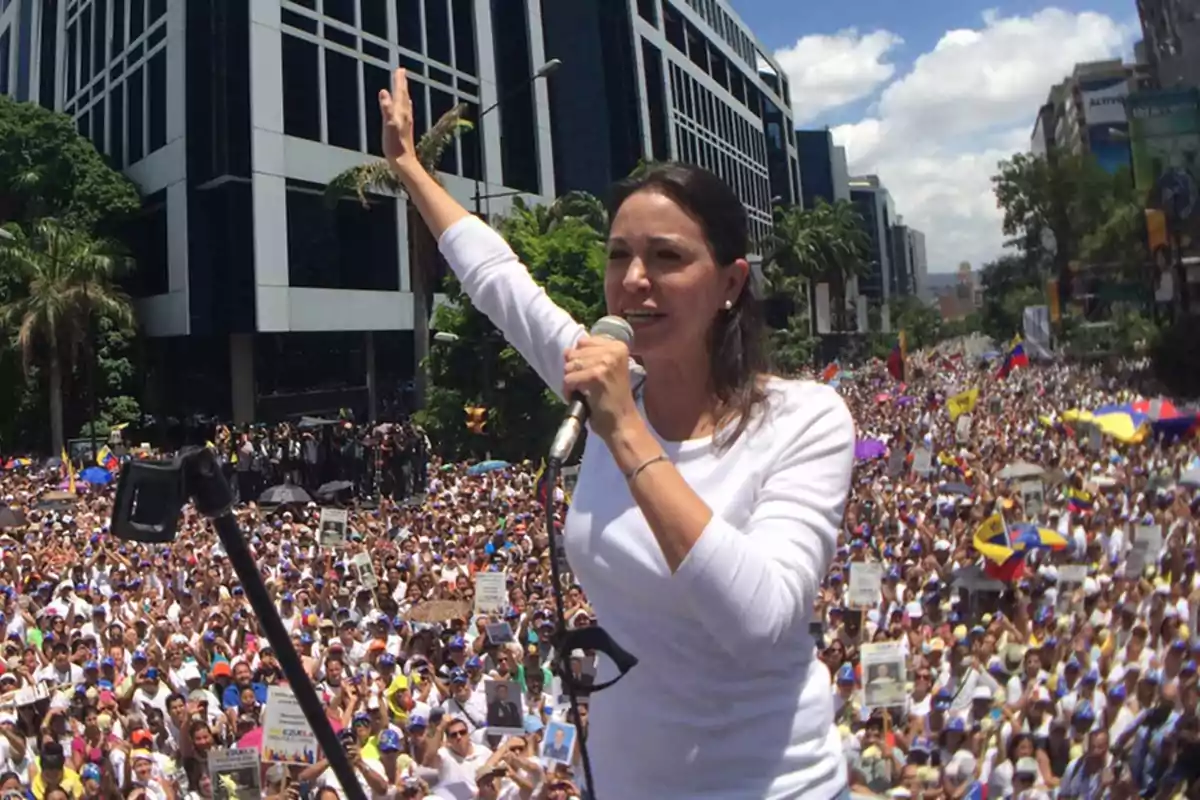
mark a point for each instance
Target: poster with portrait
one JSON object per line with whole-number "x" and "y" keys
{"x": 866, "y": 578}
{"x": 366, "y": 570}
{"x": 333, "y": 527}
{"x": 235, "y": 773}
{"x": 558, "y": 744}
{"x": 884, "y": 675}
{"x": 1070, "y": 581}
{"x": 1033, "y": 497}
{"x": 491, "y": 592}
{"x": 504, "y": 712}
{"x": 922, "y": 461}
{"x": 500, "y": 633}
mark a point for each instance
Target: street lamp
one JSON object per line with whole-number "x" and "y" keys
{"x": 543, "y": 71}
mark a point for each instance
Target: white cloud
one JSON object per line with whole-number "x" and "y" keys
{"x": 937, "y": 132}
{"x": 828, "y": 72}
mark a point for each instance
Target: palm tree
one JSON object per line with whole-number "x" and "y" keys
{"x": 376, "y": 177}
{"x": 65, "y": 276}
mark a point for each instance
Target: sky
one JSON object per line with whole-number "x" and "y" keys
{"x": 931, "y": 94}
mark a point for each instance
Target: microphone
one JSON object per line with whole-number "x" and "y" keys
{"x": 577, "y": 411}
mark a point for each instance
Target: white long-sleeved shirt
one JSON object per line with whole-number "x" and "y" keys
{"x": 728, "y": 699}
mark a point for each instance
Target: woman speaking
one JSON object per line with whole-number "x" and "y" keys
{"x": 708, "y": 506}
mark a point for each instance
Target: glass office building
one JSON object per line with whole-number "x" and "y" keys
{"x": 260, "y": 300}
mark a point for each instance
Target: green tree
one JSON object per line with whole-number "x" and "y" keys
{"x": 824, "y": 244}
{"x": 376, "y": 177}
{"x": 65, "y": 277}
{"x": 1009, "y": 284}
{"x": 792, "y": 348}
{"x": 48, "y": 170}
{"x": 921, "y": 322}
{"x": 476, "y": 367}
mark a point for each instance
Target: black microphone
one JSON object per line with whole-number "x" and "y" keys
{"x": 577, "y": 411}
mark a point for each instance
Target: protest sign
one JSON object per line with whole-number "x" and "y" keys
{"x": 287, "y": 737}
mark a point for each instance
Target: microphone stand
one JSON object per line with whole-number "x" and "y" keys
{"x": 196, "y": 472}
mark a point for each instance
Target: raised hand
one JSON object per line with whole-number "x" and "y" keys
{"x": 396, "y": 109}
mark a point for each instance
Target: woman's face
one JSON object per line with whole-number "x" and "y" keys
{"x": 660, "y": 264}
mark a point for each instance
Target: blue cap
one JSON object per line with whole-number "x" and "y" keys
{"x": 1084, "y": 712}
{"x": 956, "y": 725}
{"x": 306, "y": 638}
{"x": 104, "y": 684}
{"x": 389, "y": 741}
{"x": 1092, "y": 676}
{"x": 474, "y": 663}
{"x": 362, "y": 717}
{"x": 1117, "y": 692}
{"x": 91, "y": 666}
{"x": 845, "y": 674}
{"x": 921, "y": 745}
{"x": 152, "y": 674}
{"x": 458, "y": 676}
{"x": 90, "y": 772}
{"x": 417, "y": 722}
{"x": 288, "y": 598}
{"x": 533, "y": 723}
{"x": 140, "y": 655}
{"x": 387, "y": 660}
{"x": 458, "y": 643}
{"x": 107, "y": 662}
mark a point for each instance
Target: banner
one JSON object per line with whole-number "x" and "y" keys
{"x": 962, "y": 403}
{"x": 1037, "y": 331}
{"x": 1104, "y": 102}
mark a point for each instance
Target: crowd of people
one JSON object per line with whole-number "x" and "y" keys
{"x": 128, "y": 669}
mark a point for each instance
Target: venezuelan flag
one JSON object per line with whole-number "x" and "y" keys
{"x": 541, "y": 489}
{"x": 107, "y": 459}
{"x": 962, "y": 403}
{"x": 991, "y": 540}
{"x": 1016, "y": 358}
{"x": 1079, "y": 501}
{"x": 1028, "y": 536}
{"x": 899, "y": 354}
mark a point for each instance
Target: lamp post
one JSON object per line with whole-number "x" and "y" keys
{"x": 545, "y": 70}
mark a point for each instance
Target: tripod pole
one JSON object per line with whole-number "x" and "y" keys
{"x": 293, "y": 669}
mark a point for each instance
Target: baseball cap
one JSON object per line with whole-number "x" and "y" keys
{"x": 389, "y": 741}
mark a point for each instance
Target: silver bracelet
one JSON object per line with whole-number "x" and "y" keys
{"x": 631, "y": 476}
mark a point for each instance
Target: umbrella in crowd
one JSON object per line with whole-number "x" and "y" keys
{"x": 97, "y": 475}
{"x": 284, "y": 493}
{"x": 1021, "y": 469}
{"x": 484, "y": 467}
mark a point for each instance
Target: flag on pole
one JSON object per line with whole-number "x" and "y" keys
{"x": 107, "y": 459}
{"x": 70, "y": 468}
{"x": 1016, "y": 358}
{"x": 895, "y": 362}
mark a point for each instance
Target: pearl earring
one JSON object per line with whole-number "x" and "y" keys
{"x": 728, "y": 305}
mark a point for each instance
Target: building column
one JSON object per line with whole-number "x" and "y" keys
{"x": 372, "y": 379}
{"x": 241, "y": 377}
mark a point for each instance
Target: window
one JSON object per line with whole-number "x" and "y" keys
{"x": 673, "y": 24}
{"x": 464, "y": 36}
{"x": 656, "y": 103}
{"x": 116, "y": 124}
{"x": 374, "y": 79}
{"x": 697, "y": 47}
{"x": 301, "y": 97}
{"x": 118, "y": 26}
{"x": 437, "y": 31}
{"x": 147, "y": 238}
{"x": 339, "y": 36}
{"x": 158, "y": 8}
{"x": 136, "y": 117}
{"x": 100, "y": 39}
{"x": 291, "y": 19}
{"x": 341, "y": 100}
{"x": 341, "y": 10}
{"x": 408, "y": 25}
{"x": 157, "y": 88}
{"x": 470, "y": 144}
{"x": 72, "y": 61}
{"x": 439, "y": 103}
{"x": 347, "y": 247}
{"x": 5, "y": 50}
{"x": 419, "y": 92}
{"x": 85, "y": 50}
{"x": 374, "y": 18}
{"x": 720, "y": 68}
{"x": 137, "y": 18}
{"x": 99, "y": 126}
{"x": 48, "y": 73}
{"x": 648, "y": 10}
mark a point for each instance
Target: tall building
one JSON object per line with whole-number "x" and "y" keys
{"x": 910, "y": 267}
{"x": 667, "y": 79}
{"x": 1086, "y": 113}
{"x": 874, "y": 204}
{"x": 823, "y": 167}
{"x": 1171, "y": 31}
{"x": 232, "y": 116}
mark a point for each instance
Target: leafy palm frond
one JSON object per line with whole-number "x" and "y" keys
{"x": 376, "y": 177}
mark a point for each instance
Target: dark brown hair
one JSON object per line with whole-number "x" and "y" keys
{"x": 737, "y": 352}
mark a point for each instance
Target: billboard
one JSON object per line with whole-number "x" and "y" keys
{"x": 1104, "y": 101}
{"x": 1109, "y": 145}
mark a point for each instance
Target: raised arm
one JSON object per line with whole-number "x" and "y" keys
{"x": 491, "y": 275}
